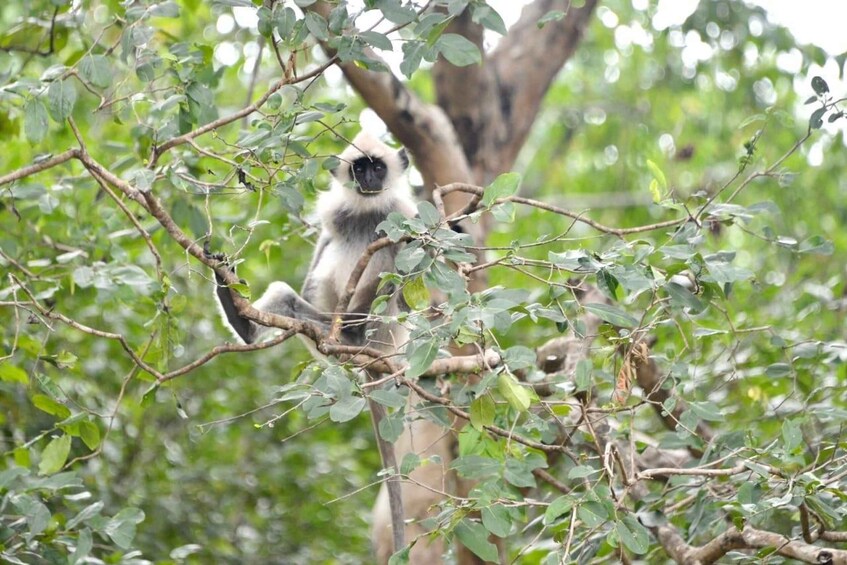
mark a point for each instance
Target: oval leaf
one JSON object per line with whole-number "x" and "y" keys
{"x": 458, "y": 50}
{"x": 503, "y": 186}
{"x": 516, "y": 395}
{"x": 420, "y": 356}
{"x": 611, "y": 314}
{"x": 483, "y": 411}
{"x": 54, "y": 455}
{"x": 346, "y": 409}
{"x": 474, "y": 536}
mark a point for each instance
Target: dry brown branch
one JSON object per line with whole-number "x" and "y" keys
{"x": 226, "y": 348}
{"x": 41, "y": 165}
{"x": 747, "y": 538}
{"x": 576, "y": 216}
{"x": 51, "y": 314}
{"x": 159, "y": 150}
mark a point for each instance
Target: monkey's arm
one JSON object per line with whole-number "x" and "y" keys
{"x": 241, "y": 326}
{"x": 279, "y": 299}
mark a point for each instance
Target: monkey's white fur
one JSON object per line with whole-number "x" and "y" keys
{"x": 348, "y": 221}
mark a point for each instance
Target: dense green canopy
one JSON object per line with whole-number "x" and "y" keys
{"x": 696, "y": 178}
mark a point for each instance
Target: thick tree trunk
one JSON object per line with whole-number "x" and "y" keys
{"x": 482, "y": 118}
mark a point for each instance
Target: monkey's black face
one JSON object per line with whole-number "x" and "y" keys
{"x": 369, "y": 174}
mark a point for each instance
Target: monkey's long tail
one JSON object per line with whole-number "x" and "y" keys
{"x": 389, "y": 461}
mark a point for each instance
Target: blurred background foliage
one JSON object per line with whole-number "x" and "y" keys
{"x": 221, "y": 469}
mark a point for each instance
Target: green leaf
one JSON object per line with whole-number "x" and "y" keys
{"x": 707, "y": 411}
{"x": 8, "y": 476}
{"x": 517, "y": 396}
{"x": 394, "y": 12}
{"x": 36, "y": 513}
{"x": 633, "y": 535}
{"x": 777, "y": 370}
{"x": 816, "y": 119}
{"x": 682, "y": 297}
{"x": 411, "y": 461}
{"x": 390, "y": 398}
{"x": 581, "y": 471}
{"x": 54, "y": 455}
{"x": 413, "y": 52}
{"x": 474, "y": 536}
{"x": 408, "y": 258}
{"x": 84, "y": 543}
{"x": 655, "y": 193}
{"x": 428, "y": 214}
{"x": 519, "y": 357}
{"x": 61, "y": 96}
{"x": 416, "y": 294}
{"x": 503, "y": 186}
{"x": 97, "y": 70}
{"x": 420, "y": 355}
{"x": 90, "y": 434}
{"x": 611, "y": 314}
{"x": 490, "y": 19}
{"x": 505, "y": 212}
{"x": 391, "y": 426}
{"x": 476, "y": 466}
{"x": 121, "y": 528}
{"x": 792, "y": 435}
{"x": 483, "y": 411}
{"x": 377, "y": 40}
{"x": 265, "y": 21}
{"x": 346, "y": 409}
{"x": 401, "y": 557}
{"x": 11, "y": 374}
{"x": 657, "y": 174}
{"x": 47, "y": 404}
{"x": 817, "y": 244}
{"x": 519, "y": 473}
{"x": 86, "y": 513}
{"x": 35, "y": 120}
{"x": 559, "y": 507}
{"x": 243, "y": 289}
{"x": 592, "y": 513}
{"x": 496, "y": 520}
{"x": 458, "y": 50}
{"x": 317, "y": 26}
{"x": 819, "y": 85}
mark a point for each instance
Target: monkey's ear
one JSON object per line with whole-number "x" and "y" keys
{"x": 404, "y": 158}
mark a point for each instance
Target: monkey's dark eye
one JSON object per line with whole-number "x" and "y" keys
{"x": 358, "y": 169}
{"x": 378, "y": 166}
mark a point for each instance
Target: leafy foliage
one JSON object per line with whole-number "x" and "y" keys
{"x": 722, "y": 260}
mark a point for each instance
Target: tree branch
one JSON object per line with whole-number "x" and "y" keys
{"x": 525, "y": 63}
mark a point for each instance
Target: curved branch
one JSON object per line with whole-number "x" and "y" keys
{"x": 525, "y": 64}
{"x": 478, "y": 191}
{"x": 747, "y": 538}
{"x": 40, "y": 166}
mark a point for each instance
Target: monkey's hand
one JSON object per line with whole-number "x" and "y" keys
{"x": 218, "y": 256}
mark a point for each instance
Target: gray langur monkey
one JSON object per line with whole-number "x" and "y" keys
{"x": 367, "y": 185}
